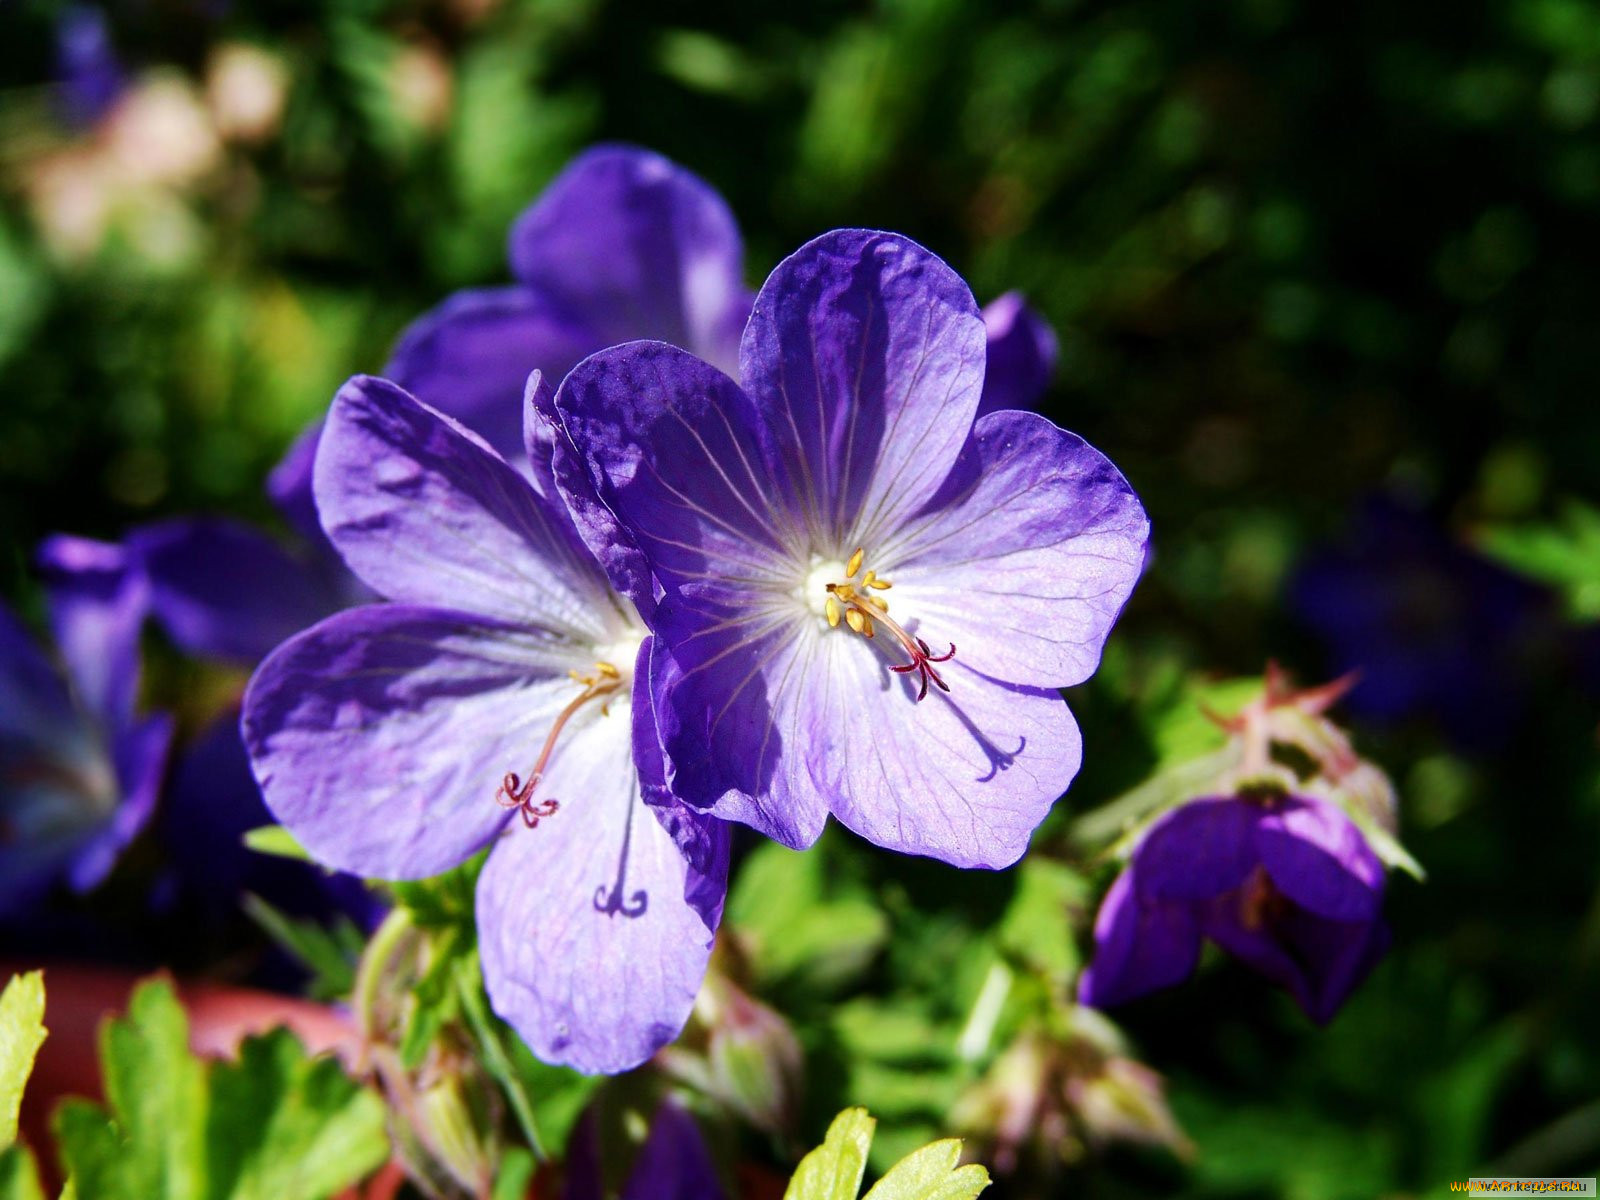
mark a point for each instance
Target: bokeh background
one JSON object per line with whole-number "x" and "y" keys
{"x": 1326, "y": 280}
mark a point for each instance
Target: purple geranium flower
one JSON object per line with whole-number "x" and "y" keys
{"x": 1287, "y": 884}
{"x": 79, "y": 770}
{"x": 505, "y": 658}
{"x": 673, "y": 1164}
{"x": 92, "y": 78}
{"x": 775, "y": 516}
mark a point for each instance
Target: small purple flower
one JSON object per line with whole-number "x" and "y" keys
{"x": 91, "y": 76}
{"x": 786, "y": 675}
{"x": 504, "y": 660}
{"x": 79, "y": 771}
{"x": 1289, "y": 885}
{"x": 1021, "y": 356}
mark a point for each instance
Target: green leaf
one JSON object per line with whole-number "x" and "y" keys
{"x": 515, "y": 1174}
{"x": 282, "y": 1124}
{"x": 278, "y": 841}
{"x": 21, "y": 1034}
{"x": 1564, "y": 554}
{"x": 19, "y": 1175}
{"x": 833, "y": 1170}
{"x": 932, "y": 1173}
{"x": 330, "y": 957}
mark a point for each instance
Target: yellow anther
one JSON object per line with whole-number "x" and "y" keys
{"x": 833, "y": 611}
{"x": 881, "y": 605}
{"x": 858, "y": 621}
{"x": 872, "y": 581}
{"x": 609, "y": 671}
{"x": 854, "y": 565}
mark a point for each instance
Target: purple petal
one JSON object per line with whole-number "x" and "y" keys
{"x": 220, "y": 588}
{"x": 1319, "y": 859}
{"x": 1199, "y": 849}
{"x": 964, "y": 776}
{"x": 735, "y": 734}
{"x": 289, "y": 485}
{"x": 865, "y": 357}
{"x": 595, "y": 926}
{"x": 425, "y": 513}
{"x": 1140, "y": 945}
{"x": 668, "y": 445}
{"x": 673, "y": 1163}
{"x": 1320, "y": 962}
{"x": 140, "y": 755}
{"x": 99, "y": 599}
{"x": 1022, "y": 354}
{"x": 470, "y": 358}
{"x": 1027, "y": 556}
{"x": 35, "y": 707}
{"x": 633, "y": 246}
{"x": 380, "y": 736}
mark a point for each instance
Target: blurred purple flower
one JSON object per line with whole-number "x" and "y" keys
{"x": 79, "y": 771}
{"x": 1288, "y": 885}
{"x": 673, "y": 1163}
{"x": 774, "y": 517}
{"x": 91, "y": 77}
{"x": 1431, "y": 628}
{"x": 379, "y": 735}
{"x": 1021, "y": 357}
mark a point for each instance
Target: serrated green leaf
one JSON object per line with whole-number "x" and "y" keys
{"x": 277, "y": 841}
{"x": 282, "y": 1124}
{"x": 19, "y": 1175}
{"x": 932, "y": 1173}
{"x": 833, "y": 1170}
{"x": 153, "y": 1142}
{"x": 22, "y": 1032}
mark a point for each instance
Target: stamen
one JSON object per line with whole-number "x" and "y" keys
{"x": 854, "y": 565}
{"x": 602, "y": 684}
{"x": 833, "y": 611}
{"x": 861, "y": 611}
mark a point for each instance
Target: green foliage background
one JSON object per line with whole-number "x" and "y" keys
{"x": 1295, "y": 252}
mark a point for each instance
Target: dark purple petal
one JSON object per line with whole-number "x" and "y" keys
{"x": 140, "y": 761}
{"x": 667, "y": 441}
{"x": 964, "y": 776}
{"x": 673, "y": 1163}
{"x": 35, "y": 708}
{"x": 1320, "y": 962}
{"x": 1199, "y": 849}
{"x": 425, "y": 513}
{"x": 1140, "y": 945}
{"x": 1022, "y": 354}
{"x": 735, "y": 733}
{"x": 380, "y": 736}
{"x": 289, "y": 485}
{"x": 470, "y": 358}
{"x": 633, "y": 246}
{"x": 1025, "y": 558}
{"x": 1319, "y": 859}
{"x": 220, "y": 588}
{"x": 99, "y": 598}
{"x": 865, "y": 358}
{"x": 595, "y": 926}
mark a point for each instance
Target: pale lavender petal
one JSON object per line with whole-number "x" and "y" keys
{"x": 140, "y": 760}
{"x": 736, "y": 708}
{"x": 1021, "y": 357}
{"x": 1199, "y": 849}
{"x": 380, "y": 736}
{"x": 1026, "y": 557}
{"x": 593, "y": 943}
{"x": 220, "y": 588}
{"x": 471, "y": 356}
{"x": 427, "y": 514}
{"x": 964, "y": 776}
{"x": 289, "y": 485}
{"x": 865, "y": 356}
{"x": 1319, "y": 859}
{"x": 99, "y": 598}
{"x": 633, "y": 246}
{"x": 1140, "y": 945}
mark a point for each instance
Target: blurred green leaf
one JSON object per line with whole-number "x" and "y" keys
{"x": 22, "y": 1032}
{"x": 834, "y": 1169}
{"x": 19, "y": 1175}
{"x": 276, "y": 840}
{"x": 329, "y": 956}
{"x": 1564, "y": 553}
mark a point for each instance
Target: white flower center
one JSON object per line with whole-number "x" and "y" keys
{"x": 813, "y": 593}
